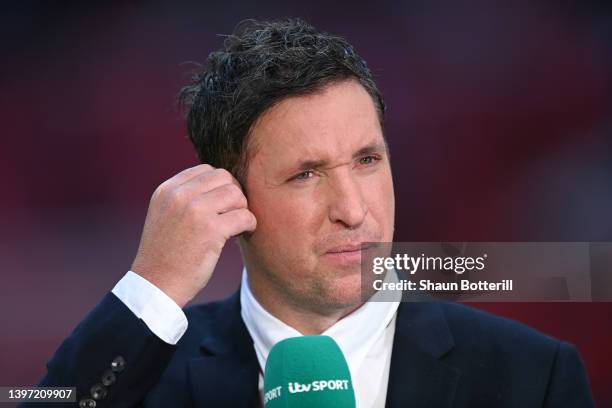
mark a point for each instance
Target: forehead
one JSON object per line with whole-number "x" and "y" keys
{"x": 334, "y": 122}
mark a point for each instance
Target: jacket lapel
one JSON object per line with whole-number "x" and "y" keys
{"x": 227, "y": 374}
{"x": 417, "y": 377}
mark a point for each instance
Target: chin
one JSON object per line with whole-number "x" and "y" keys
{"x": 344, "y": 291}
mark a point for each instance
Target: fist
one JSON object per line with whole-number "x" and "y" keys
{"x": 190, "y": 217}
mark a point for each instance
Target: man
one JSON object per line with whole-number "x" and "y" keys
{"x": 289, "y": 124}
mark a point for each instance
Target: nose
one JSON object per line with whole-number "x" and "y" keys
{"x": 346, "y": 204}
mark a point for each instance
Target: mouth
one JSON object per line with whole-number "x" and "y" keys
{"x": 347, "y": 254}
{"x": 349, "y": 248}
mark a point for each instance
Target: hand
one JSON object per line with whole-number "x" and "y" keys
{"x": 190, "y": 218}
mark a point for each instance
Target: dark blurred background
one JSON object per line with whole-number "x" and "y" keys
{"x": 499, "y": 123}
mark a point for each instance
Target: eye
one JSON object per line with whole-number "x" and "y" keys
{"x": 303, "y": 175}
{"x": 368, "y": 160}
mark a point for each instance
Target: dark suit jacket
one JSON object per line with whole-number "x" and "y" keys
{"x": 444, "y": 355}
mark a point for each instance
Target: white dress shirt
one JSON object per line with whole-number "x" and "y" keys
{"x": 160, "y": 313}
{"x": 364, "y": 336}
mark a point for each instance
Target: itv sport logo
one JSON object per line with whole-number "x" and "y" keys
{"x": 295, "y": 387}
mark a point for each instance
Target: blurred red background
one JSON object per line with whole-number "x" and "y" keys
{"x": 499, "y": 123}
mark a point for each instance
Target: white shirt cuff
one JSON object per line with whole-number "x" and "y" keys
{"x": 159, "y": 312}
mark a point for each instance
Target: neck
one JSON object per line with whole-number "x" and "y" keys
{"x": 306, "y": 319}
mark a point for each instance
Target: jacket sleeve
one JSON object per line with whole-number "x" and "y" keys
{"x": 112, "y": 358}
{"x": 568, "y": 386}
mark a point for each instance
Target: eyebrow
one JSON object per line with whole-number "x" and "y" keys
{"x": 375, "y": 147}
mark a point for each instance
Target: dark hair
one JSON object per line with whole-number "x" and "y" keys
{"x": 259, "y": 65}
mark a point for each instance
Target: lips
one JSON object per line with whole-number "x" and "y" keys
{"x": 346, "y": 255}
{"x": 355, "y": 247}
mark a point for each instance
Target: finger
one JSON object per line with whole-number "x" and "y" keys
{"x": 208, "y": 181}
{"x": 188, "y": 174}
{"x": 236, "y": 222}
{"x": 224, "y": 198}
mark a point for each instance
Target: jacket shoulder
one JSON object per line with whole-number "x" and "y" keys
{"x": 490, "y": 346}
{"x": 479, "y": 327}
{"x": 520, "y": 363}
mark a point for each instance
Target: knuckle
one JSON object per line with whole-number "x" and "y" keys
{"x": 224, "y": 175}
{"x": 177, "y": 196}
{"x": 162, "y": 189}
{"x": 236, "y": 194}
{"x": 159, "y": 195}
{"x": 226, "y": 191}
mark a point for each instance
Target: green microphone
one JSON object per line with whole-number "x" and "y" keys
{"x": 307, "y": 371}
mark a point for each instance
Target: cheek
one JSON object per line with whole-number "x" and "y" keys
{"x": 283, "y": 217}
{"x": 380, "y": 199}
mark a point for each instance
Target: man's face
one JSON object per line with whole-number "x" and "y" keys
{"x": 319, "y": 183}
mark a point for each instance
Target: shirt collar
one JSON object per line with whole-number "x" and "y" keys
{"x": 355, "y": 334}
